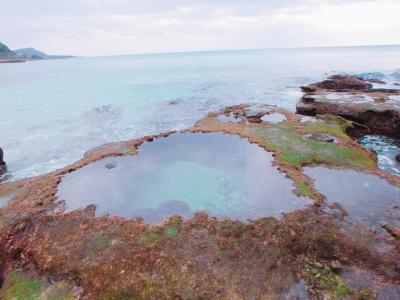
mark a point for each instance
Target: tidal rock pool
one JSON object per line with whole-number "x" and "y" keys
{"x": 221, "y": 174}
{"x": 230, "y": 119}
{"x": 367, "y": 198}
{"x": 386, "y": 150}
{"x": 274, "y": 118}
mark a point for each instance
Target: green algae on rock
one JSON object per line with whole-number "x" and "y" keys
{"x": 20, "y": 285}
{"x": 296, "y": 150}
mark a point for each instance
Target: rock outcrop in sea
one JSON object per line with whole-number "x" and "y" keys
{"x": 3, "y": 165}
{"x": 376, "y": 108}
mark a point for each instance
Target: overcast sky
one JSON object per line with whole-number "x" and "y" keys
{"x": 106, "y": 27}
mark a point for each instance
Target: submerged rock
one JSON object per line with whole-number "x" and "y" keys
{"x": 353, "y": 98}
{"x": 323, "y": 137}
{"x": 255, "y": 112}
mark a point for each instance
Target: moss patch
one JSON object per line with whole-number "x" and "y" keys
{"x": 99, "y": 242}
{"x": 326, "y": 280}
{"x": 2, "y": 222}
{"x": 171, "y": 231}
{"x": 296, "y": 150}
{"x": 303, "y": 189}
{"x": 323, "y": 279}
{"x": 130, "y": 151}
{"x": 333, "y": 125}
{"x": 19, "y": 285}
{"x": 148, "y": 238}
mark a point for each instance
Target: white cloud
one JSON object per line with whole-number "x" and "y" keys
{"x": 103, "y": 27}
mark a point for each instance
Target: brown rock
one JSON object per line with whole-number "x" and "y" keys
{"x": 353, "y": 98}
{"x": 393, "y": 231}
{"x": 341, "y": 82}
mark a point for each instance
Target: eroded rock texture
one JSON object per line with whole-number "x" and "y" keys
{"x": 376, "y": 109}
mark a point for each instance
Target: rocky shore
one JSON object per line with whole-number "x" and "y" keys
{"x": 317, "y": 252}
{"x": 11, "y": 60}
{"x": 377, "y": 109}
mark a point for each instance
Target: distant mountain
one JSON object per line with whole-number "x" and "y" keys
{"x": 32, "y": 53}
{"x": 21, "y": 55}
{"x": 5, "y": 51}
{"x": 8, "y": 56}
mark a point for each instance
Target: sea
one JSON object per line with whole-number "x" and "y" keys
{"x": 53, "y": 111}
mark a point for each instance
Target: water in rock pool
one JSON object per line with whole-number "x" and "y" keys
{"x": 230, "y": 119}
{"x": 274, "y": 118}
{"x": 222, "y": 174}
{"x": 367, "y": 198}
{"x": 386, "y": 149}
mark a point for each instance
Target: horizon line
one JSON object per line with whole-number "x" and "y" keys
{"x": 233, "y": 50}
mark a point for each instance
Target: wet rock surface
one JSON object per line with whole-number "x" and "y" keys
{"x": 305, "y": 254}
{"x": 378, "y": 109}
{"x": 3, "y": 166}
{"x": 340, "y": 83}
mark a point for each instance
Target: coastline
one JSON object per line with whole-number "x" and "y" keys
{"x": 12, "y": 60}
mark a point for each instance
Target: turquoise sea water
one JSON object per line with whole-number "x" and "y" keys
{"x": 53, "y": 111}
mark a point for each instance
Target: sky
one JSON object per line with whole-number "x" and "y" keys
{"x": 113, "y": 27}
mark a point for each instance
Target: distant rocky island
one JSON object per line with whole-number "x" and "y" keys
{"x": 25, "y": 54}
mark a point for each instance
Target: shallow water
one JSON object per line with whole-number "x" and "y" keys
{"x": 367, "y": 198}
{"x": 386, "y": 149}
{"x": 181, "y": 174}
{"x": 357, "y": 278}
{"x": 298, "y": 291}
{"x": 54, "y": 111}
{"x": 230, "y": 119}
{"x": 274, "y": 118}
